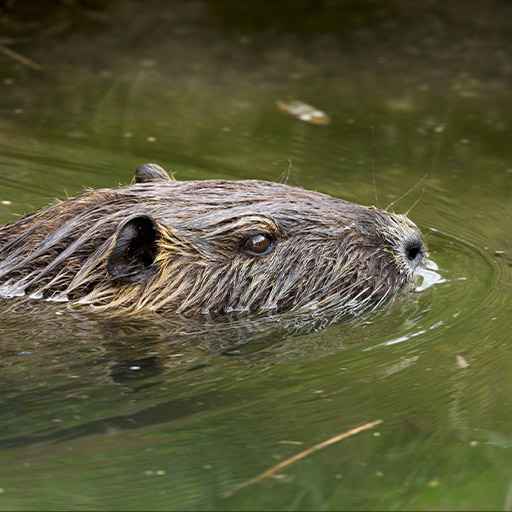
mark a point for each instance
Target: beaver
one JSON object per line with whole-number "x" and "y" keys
{"x": 211, "y": 248}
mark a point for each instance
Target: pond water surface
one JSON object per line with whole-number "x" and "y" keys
{"x": 133, "y": 415}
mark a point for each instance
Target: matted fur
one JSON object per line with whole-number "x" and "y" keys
{"x": 330, "y": 256}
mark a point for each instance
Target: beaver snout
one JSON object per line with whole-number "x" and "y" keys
{"x": 414, "y": 251}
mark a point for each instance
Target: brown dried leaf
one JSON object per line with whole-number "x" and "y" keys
{"x": 304, "y": 112}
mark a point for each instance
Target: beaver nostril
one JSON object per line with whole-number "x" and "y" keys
{"x": 413, "y": 250}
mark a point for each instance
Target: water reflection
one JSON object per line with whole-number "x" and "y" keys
{"x": 102, "y": 414}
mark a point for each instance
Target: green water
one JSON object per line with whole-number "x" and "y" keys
{"x": 96, "y": 415}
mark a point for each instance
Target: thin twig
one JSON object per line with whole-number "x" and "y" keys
{"x": 20, "y": 58}
{"x": 302, "y": 455}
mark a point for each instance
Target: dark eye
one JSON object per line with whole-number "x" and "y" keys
{"x": 258, "y": 245}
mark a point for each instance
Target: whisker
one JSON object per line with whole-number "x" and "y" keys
{"x": 416, "y": 202}
{"x": 372, "y": 165}
{"x": 285, "y": 176}
{"x": 414, "y": 187}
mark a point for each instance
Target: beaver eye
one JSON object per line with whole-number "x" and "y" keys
{"x": 258, "y": 245}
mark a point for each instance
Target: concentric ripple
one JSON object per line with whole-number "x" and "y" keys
{"x": 136, "y": 415}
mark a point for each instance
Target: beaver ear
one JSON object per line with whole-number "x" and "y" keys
{"x": 150, "y": 172}
{"x": 136, "y": 247}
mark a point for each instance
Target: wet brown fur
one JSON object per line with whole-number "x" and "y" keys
{"x": 330, "y": 256}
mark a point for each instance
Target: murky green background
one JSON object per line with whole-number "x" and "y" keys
{"x": 127, "y": 417}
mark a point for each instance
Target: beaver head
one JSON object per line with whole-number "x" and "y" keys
{"x": 210, "y": 247}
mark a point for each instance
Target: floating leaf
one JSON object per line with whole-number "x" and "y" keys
{"x": 461, "y": 361}
{"x": 304, "y": 112}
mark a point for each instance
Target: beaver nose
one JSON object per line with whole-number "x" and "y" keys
{"x": 414, "y": 251}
